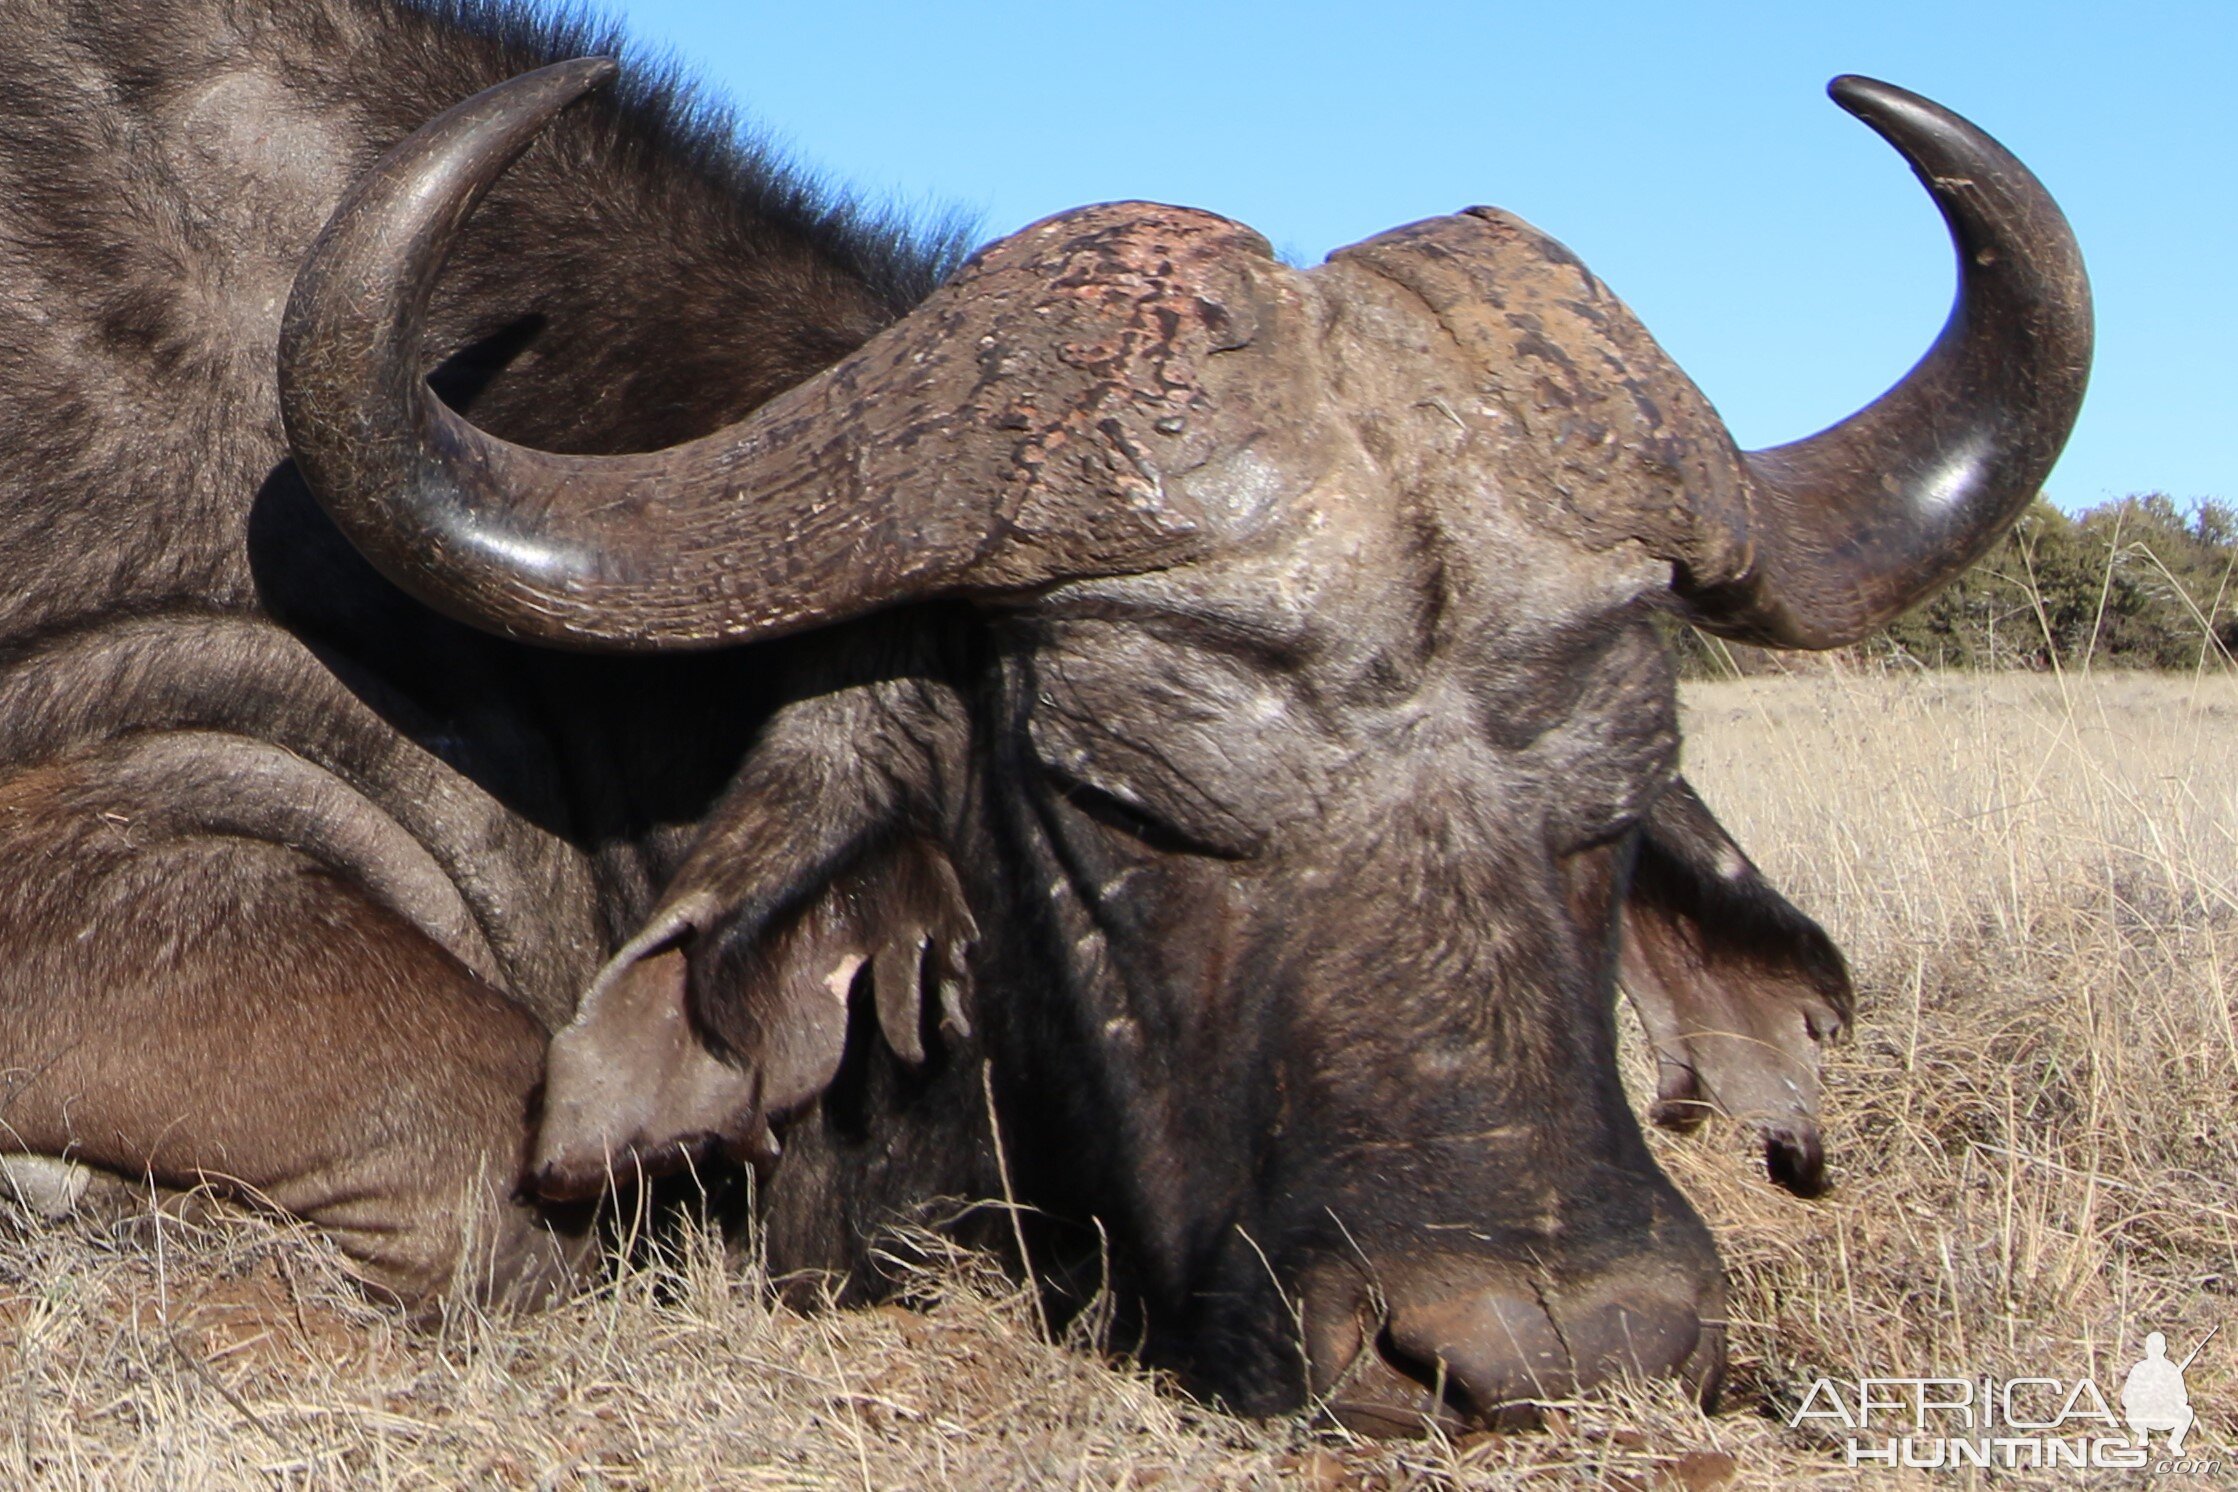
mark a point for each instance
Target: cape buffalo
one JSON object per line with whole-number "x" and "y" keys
{"x": 1176, "y": 735}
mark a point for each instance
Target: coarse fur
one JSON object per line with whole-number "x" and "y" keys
{"x": 1270, "y": 905}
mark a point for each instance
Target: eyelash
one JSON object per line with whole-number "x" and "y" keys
{"x": 1115, "y": 813}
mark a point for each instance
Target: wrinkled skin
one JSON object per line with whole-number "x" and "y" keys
{"x": 1380, "y": 968}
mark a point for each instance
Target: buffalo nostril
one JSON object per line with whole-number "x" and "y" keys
{"x": 1450, "y": 1396}
{"x": 1796, "y": 1159}
{"x": 1498, "y": 1354}
{"x": 1462, "y": 1362}
{"x": 1437, "y": 1352}
{"x": 1370, "y": 1383}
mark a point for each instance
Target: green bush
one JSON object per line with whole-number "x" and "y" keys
{"x": 2136, "y": 583}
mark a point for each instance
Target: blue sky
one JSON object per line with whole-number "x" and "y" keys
{"x": 1686, "y": 151}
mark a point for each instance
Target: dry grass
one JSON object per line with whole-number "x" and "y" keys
{"x": 2032, "y": 1132}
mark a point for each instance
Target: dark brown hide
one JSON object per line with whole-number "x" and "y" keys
{"x": 1349, "y": 568}
{"x": 298, "y": 876}
{"x": 1229, "y": 722}
{"x": 208, "y": 1006}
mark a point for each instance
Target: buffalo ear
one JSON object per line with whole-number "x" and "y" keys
{"x": 1736, "y": 988}
{"x": 781, "y": 992}
{"x": 711, "y": 1022}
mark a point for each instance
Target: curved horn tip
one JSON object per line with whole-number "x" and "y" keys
{"x": 529, "y": 100}
{"x": 582, "y": 73}
{"x": 543, "y": 93}
{"x": 1894, "y": 113}
{"x": 1858, "y": 93}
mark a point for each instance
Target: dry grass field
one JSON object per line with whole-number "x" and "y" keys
{"x": 2032, "y": 1134}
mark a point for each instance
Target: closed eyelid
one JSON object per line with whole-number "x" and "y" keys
{"x": 1125, "y": 813}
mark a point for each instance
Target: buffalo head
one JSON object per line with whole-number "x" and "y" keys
{"x": 1236, "y": 716}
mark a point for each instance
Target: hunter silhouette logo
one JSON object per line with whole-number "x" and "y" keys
{"x": 2153, "y": 1396}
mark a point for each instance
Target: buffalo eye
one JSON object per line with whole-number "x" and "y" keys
{"x": 1124, "y": 814}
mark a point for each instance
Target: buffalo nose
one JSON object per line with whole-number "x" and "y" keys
{"x": 1492, "y": 1357}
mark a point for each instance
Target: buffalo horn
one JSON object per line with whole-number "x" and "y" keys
{"x": 871, "y": 484}
{"x": 1845, "y": 529}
